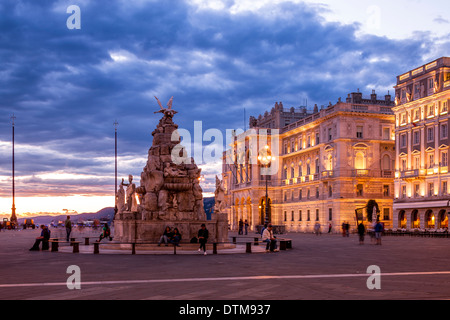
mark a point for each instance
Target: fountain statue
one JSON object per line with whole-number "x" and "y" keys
{"x": 169, "y": 193}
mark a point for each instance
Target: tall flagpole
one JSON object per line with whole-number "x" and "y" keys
{"x": 13, "y": 209}
{"x": 116, "y": 124}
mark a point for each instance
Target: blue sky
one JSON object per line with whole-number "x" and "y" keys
{"x": 216, "y": 57}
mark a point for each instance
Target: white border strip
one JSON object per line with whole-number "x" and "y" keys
{"x": 294, "y": 277}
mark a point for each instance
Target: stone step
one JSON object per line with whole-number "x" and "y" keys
{"x": 155, "y": 247}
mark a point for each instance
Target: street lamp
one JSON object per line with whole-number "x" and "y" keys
{"x": 265, "y": 159}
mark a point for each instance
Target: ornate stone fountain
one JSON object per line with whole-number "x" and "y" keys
{"x": 169, "y": 193}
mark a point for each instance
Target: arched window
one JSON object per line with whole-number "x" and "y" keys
{"x": 386, "y": 164}
{"x": 360, "y": 161}
{"x": 330, "y": 163}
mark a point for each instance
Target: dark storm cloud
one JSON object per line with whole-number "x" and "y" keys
{"x": 68, "y": 86}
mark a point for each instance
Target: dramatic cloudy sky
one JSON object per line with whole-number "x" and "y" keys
{"x": 216, "y": 57}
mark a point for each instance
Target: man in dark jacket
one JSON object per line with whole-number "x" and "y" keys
{"x": 45, "y": 236}
{"x": 203, "y": 235}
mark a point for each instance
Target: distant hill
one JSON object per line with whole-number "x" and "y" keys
{"x": 105, "y": 213}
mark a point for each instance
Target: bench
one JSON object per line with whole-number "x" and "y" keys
{"x": 255, "y": 239}
{"x": 86, "y": 240}
{"x": 285, "y": 244}
{"x": 55, "y": 245}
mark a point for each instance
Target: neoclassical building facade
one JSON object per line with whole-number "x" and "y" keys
{"x": 327, "y": 164}
{"x": 422, "y": 147}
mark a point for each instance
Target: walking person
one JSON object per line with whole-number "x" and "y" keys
{"x": 378, "y": 231}
{"x": 68, "y": 225}
{"x": 329, "y": 228}
{"x": 246, "y": 227}
{"x": 203, "y": 235}
{"x": 361, "y": 233}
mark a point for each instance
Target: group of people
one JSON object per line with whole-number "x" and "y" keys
{"x": 45, "y": 235}
{"x": 377, "y": 231}
{"x": 174, "y": 237}
{"x": 243, "y": 226}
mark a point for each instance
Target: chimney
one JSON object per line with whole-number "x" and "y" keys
{"x": 373, "y": 96}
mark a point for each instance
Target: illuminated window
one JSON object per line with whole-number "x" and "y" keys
{"x": 403, "y": 165}
{"x": 386, "y": 134}
{"x": 444, "y": 158}
{"x": 386, "y": 214}
{"x": 430, "y": 109}
{"x": 359, "y": 190}
{"x": 430, "y": 134}
{"x": 359, "y": 132}
{"x": 444, "y": 131}
{"x": 444, "y": 107}
{"x": 386, "y": 190}
{"x": 403, "y": 119}
{"x": 417, "y": 162}
{"x": 430, "y": 160}
{"x": 417, "y": 190}
{"x": 417, "y": 114}
{"x": 431, "y": 83}
{"x": 403, "y": 140}
{"x": 403, "y": 192}
{"x": 431, "y": 189}
{"x": 416, "y": 137}
{"x": 360, "y": 161}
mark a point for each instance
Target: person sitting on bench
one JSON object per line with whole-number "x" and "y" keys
{"x": 176, "y": 237}
{"x": 106, "y": 233}
{"x": 269, "y": 238}
{"x": 45, "y": 236}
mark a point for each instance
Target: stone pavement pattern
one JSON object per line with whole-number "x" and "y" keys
{"x": 312, "y": 255}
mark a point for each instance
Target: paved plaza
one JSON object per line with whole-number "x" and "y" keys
{"x": 319, "y": 267}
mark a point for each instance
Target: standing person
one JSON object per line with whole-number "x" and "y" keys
{"x": 317, "y": 229}
{"x": 203, "y": 235}
{"x": 241, "y": 226}
{"x": 343, "y": 228}
{"x": 44, "y": 238}
{"x": 378, "y": 230}
{"x": 347, "y": 229}
{"x": 361, "y": 232}
{"x": 68, "y": 225}
{"x": 269, "y": 239}
{"x": 246, "y": 227}
{"x": 329, "y": 228}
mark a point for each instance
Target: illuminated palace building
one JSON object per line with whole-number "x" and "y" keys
{"x": 422, "y": 147}
{"x": 330, "y": 162}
